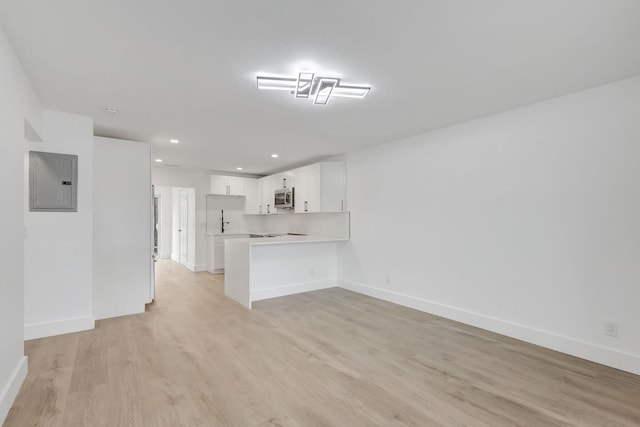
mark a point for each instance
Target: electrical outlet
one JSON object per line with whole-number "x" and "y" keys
{"x": 611, "y": 329}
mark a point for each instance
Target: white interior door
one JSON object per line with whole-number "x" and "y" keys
{"x": 183, "y": 226}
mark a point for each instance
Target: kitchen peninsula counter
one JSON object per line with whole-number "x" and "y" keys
{"x": 269, "y": 267}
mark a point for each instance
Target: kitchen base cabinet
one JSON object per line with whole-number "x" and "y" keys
{"x": 215, "y": 258}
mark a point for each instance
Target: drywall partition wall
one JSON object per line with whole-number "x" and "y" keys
{"x": 198, "y": 181}
{"x": 192, "y": 240}
{"x": 59, "y": 245}
{"x": 525, "y": 223}
{"x": 20, "y": 117}
{"x": 175, "y": 226}
{"x": 164, "y": 195}
{"x": 122, "y": 252}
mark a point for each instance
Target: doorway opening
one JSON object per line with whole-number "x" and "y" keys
{"x": 176, "y": 235}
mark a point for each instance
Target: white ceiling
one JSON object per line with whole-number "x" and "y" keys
{"x": 186, "y": 69}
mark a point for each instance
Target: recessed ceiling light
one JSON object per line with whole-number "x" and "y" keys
{"x": 173, "y": 141}
{"x": 238, "y": 169}
{"x": 111, "y": 110}
{"x": 275, "y": 156}
{"x": 310, "y": 85}
{"x": 158, "y": 160}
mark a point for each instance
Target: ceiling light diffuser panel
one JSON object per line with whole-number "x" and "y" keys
{"x": 303, "y": 88}
{"x": 324, "y": 90}
{"x": 351, "y": 91}
{"x": 277, "y": 83}
{"x": 307, "y": 85}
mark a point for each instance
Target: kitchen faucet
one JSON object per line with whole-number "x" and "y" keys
{"x": 223, "y": 221}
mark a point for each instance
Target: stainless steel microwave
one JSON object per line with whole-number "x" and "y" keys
{"x": 284, "y": 198}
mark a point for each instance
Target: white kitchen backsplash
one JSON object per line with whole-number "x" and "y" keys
{"x": 317, "y": 224}
{"x": 233, "y": 207}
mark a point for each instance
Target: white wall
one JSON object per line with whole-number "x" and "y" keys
{"x": 526, "y": 223}
{"x": 18, "y": 103}
{"x": 193, "y": 240}
{"x": 122, "y": 252}
{"x": 175, "y": 219}
{"x": 166, "y": 217}
{"x": 58, "y": 246}
{"x": 199, "y": 181}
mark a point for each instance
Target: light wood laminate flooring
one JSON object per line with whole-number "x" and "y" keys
{"x": 324, "y": 358}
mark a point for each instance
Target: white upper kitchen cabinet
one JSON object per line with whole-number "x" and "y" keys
{"x": 236, "y": 185}
{"x": 227, "y": 185}
{"x": 301, "y": 194}
{"x": 267, "y": 197}
{"x": 282, "y": 180}
{"x": 253, "y": 192}
{"x": 320, "y": 187}
{"x": 218, "y": 184}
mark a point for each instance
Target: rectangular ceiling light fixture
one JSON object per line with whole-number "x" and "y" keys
{"x": 303, "y": 88}
{"x": 277, "y": 83}
{"x": 351, "y": 91}
{"x": 310, "y": 86}
{"x": 324, "y": 89}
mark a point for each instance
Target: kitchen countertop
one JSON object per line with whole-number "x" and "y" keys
{"x": 287, "y": 239}
{"x": 275, "y": 238}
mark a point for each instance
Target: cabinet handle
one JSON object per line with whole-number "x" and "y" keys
{"x": 268, "y": 209}
{"x": 260, "y": 209}
{"x": 306, "y": 209}
{"x": 284, "y": 182}
{"x": 342, "y": 205}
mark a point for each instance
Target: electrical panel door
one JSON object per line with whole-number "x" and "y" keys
{"x": 53, "y": 182}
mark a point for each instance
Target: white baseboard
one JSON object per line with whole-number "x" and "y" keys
{"x": 200, "y": 267}
{"x": 175, "y": 258}
{"x": 191, "y": 266}
{"x": 292, "y": 289}
{"x": 12, "y": 387}
{"x": 59, "y": 327}
{"x": 133, "y": 309}
{"x": 595, "y": 353}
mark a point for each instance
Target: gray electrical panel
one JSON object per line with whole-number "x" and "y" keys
{"x": 53, "y": 182}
